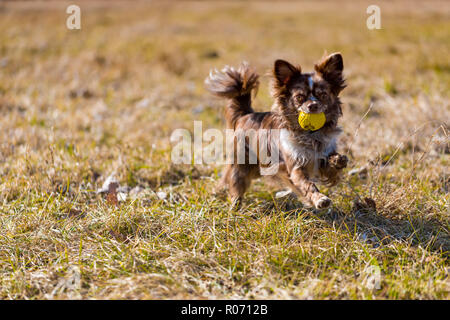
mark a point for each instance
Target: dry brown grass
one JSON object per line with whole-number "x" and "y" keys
{"x": 77, "y": 106}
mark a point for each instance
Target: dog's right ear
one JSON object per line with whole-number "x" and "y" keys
{"x": 284, "y": 71}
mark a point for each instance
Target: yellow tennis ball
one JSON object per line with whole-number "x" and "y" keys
{"x": 311, "y": 121}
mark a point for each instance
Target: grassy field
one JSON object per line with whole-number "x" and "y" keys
{"x": 77, "y": 106}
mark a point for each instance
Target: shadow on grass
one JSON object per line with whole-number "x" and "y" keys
{"x": 371, "y": 225}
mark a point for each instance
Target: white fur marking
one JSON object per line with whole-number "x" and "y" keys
{"x": 311, "y": 84}
{"x": 298, "y": 152}
{"x": 304, "y": 155}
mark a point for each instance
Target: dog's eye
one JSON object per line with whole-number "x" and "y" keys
{"x": 321, "y": 94}
{"x": 300, "y": 98}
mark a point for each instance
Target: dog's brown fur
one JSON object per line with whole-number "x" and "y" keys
{"x": 305, "y": 156}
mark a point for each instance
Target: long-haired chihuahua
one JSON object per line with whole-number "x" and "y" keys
{"x": 307, "y": 155}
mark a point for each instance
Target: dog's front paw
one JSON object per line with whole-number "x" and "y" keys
{"x": 338, "y": 161}
{"x": 322, "y": 203}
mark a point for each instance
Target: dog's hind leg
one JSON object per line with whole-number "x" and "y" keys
{"x": 225, "y": 179}
{"x": 239, "y": 179}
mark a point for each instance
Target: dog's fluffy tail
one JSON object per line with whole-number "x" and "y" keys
{"x": 236, "y": 85}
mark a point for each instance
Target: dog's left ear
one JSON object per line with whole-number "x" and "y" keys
{"x": 331, "y": 67}
{"x": 330, "y": 64}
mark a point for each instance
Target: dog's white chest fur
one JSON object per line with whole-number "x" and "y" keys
{"x": 302, "y": 153}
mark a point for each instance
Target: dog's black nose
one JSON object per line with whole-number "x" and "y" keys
{"x": 313, "y": 107}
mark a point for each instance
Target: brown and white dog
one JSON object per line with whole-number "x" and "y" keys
{"x": 305, "y": 157}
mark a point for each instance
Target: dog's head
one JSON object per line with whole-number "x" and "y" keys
{"x": 309, "y": 92}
